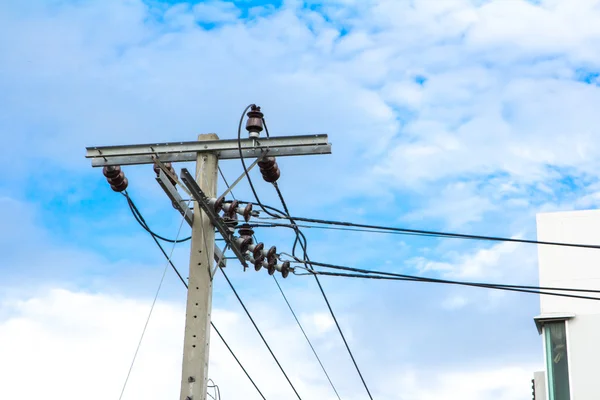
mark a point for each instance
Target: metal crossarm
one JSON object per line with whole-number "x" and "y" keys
{"x": 225, "y": 149}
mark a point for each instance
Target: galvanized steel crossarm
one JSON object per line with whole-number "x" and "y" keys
{"x": 223, "y": 155}
{"x": 217, "y": 146}
{"x": 203, "y": 201}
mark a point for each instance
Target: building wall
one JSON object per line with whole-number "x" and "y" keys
{"x": 574, "y": 268}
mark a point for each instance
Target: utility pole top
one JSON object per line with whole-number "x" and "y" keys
{"x": 204, "y": 219}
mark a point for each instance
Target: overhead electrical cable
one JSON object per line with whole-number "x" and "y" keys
{"x": 211, "y": 323}
{"x": 306, "y": 337}
{"x": 443, "y": 234}
{"x": 259, "y": 332}
{"x": 372, "y": 274}
{"x": 140, "y": 220}
{"x": 300, "y": 238}
{"x": 289, "y": 305}
{"x": 162, "y": 279}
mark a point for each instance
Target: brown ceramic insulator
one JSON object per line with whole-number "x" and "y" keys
{"x": 258, "y": 250}
{"x": 285, "y": 269}
{"x": 219, "y": 204}
{"x": 258, "y": 263}
{"x": 266, "y": 163}
{"x": 232, "y": 210}
{"x": 245, "y": 231}
{"x": 273, "y": 175}
{"x": 272, "y": 254}
{"x": 271, "y": 269}
{"x": 111, "y": 171}
{"x": 269, "y": 169}
{"x": 255, "y": 117}
{"x": 121, "y": 186}
{"x": 244, "y": 242}
{"x": 118, "y": 183}
{"x": 247, "y": 212}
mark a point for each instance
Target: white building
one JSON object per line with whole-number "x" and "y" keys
{"x": 570, "y": 328}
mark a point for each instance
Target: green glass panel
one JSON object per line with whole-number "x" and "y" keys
{"x": 556, "y": 360}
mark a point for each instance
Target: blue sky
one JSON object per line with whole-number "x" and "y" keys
{"x": 460, "y": 115}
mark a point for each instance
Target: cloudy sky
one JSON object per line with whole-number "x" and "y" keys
{"x": 460, "y": 115}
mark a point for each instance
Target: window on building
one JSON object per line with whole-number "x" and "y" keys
{"x": 556, "y": 360}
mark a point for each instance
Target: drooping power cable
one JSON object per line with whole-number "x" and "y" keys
{"x": 442, "y": 234}
{"x": 300, "y": 238}
{"x": 285, "y": 297}
{"x": 372, "y": 274}
{"x": 162, "y": 278}
{"x": 211, "y": 323}
{"x": 259, "y": 332}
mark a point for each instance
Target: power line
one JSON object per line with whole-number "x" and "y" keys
{"x": 441, "y": 234}
{"x": 288, "y": 303}
{"x": 211, "y": 323}
{"x": 372, "y": 274}
{"x": 162, "y": 278}
{"x": 259, "y": 332}
{"x": 304, "y": 244}
{"x": 140, "y": 220}
{"x": 306, "y": 337}
{"x": 261, "y": 224}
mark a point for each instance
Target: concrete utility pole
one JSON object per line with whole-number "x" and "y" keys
{"x": 207, "y": 151}
{"x": 196, "y": 342}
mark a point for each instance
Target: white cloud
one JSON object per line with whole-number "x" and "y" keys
{"x": 499, "y": 261}
{"x": 80, "y": 339}
{"x": 455, "y": 302}
{"x": 458, "y": 112}
{"x": 216, "y": 12}
{"x": 321, "y": 322}
{"x": 495, "y": 99}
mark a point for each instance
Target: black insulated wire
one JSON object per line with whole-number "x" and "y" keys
{"x": 283, "y": 294}
{"x": 301, "y": 239}
{"x": 391, "y": 278}
{"x": 140, "y": 220}
{"x": 132, "y": 205}
{"x": 259, "y": 333}
{"x": 443, "y": 234}
{"x": 372, "y": 274}
{"x": 306, "y": 337}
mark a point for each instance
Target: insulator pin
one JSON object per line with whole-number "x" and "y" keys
{"x": 254, "y": 125}
{"x": 115, "y": 177}
{"x": 269, "y": 169}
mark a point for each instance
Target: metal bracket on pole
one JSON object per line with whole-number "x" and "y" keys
{"x": 203, "y": 201}
{"x": 185, "y": 211}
